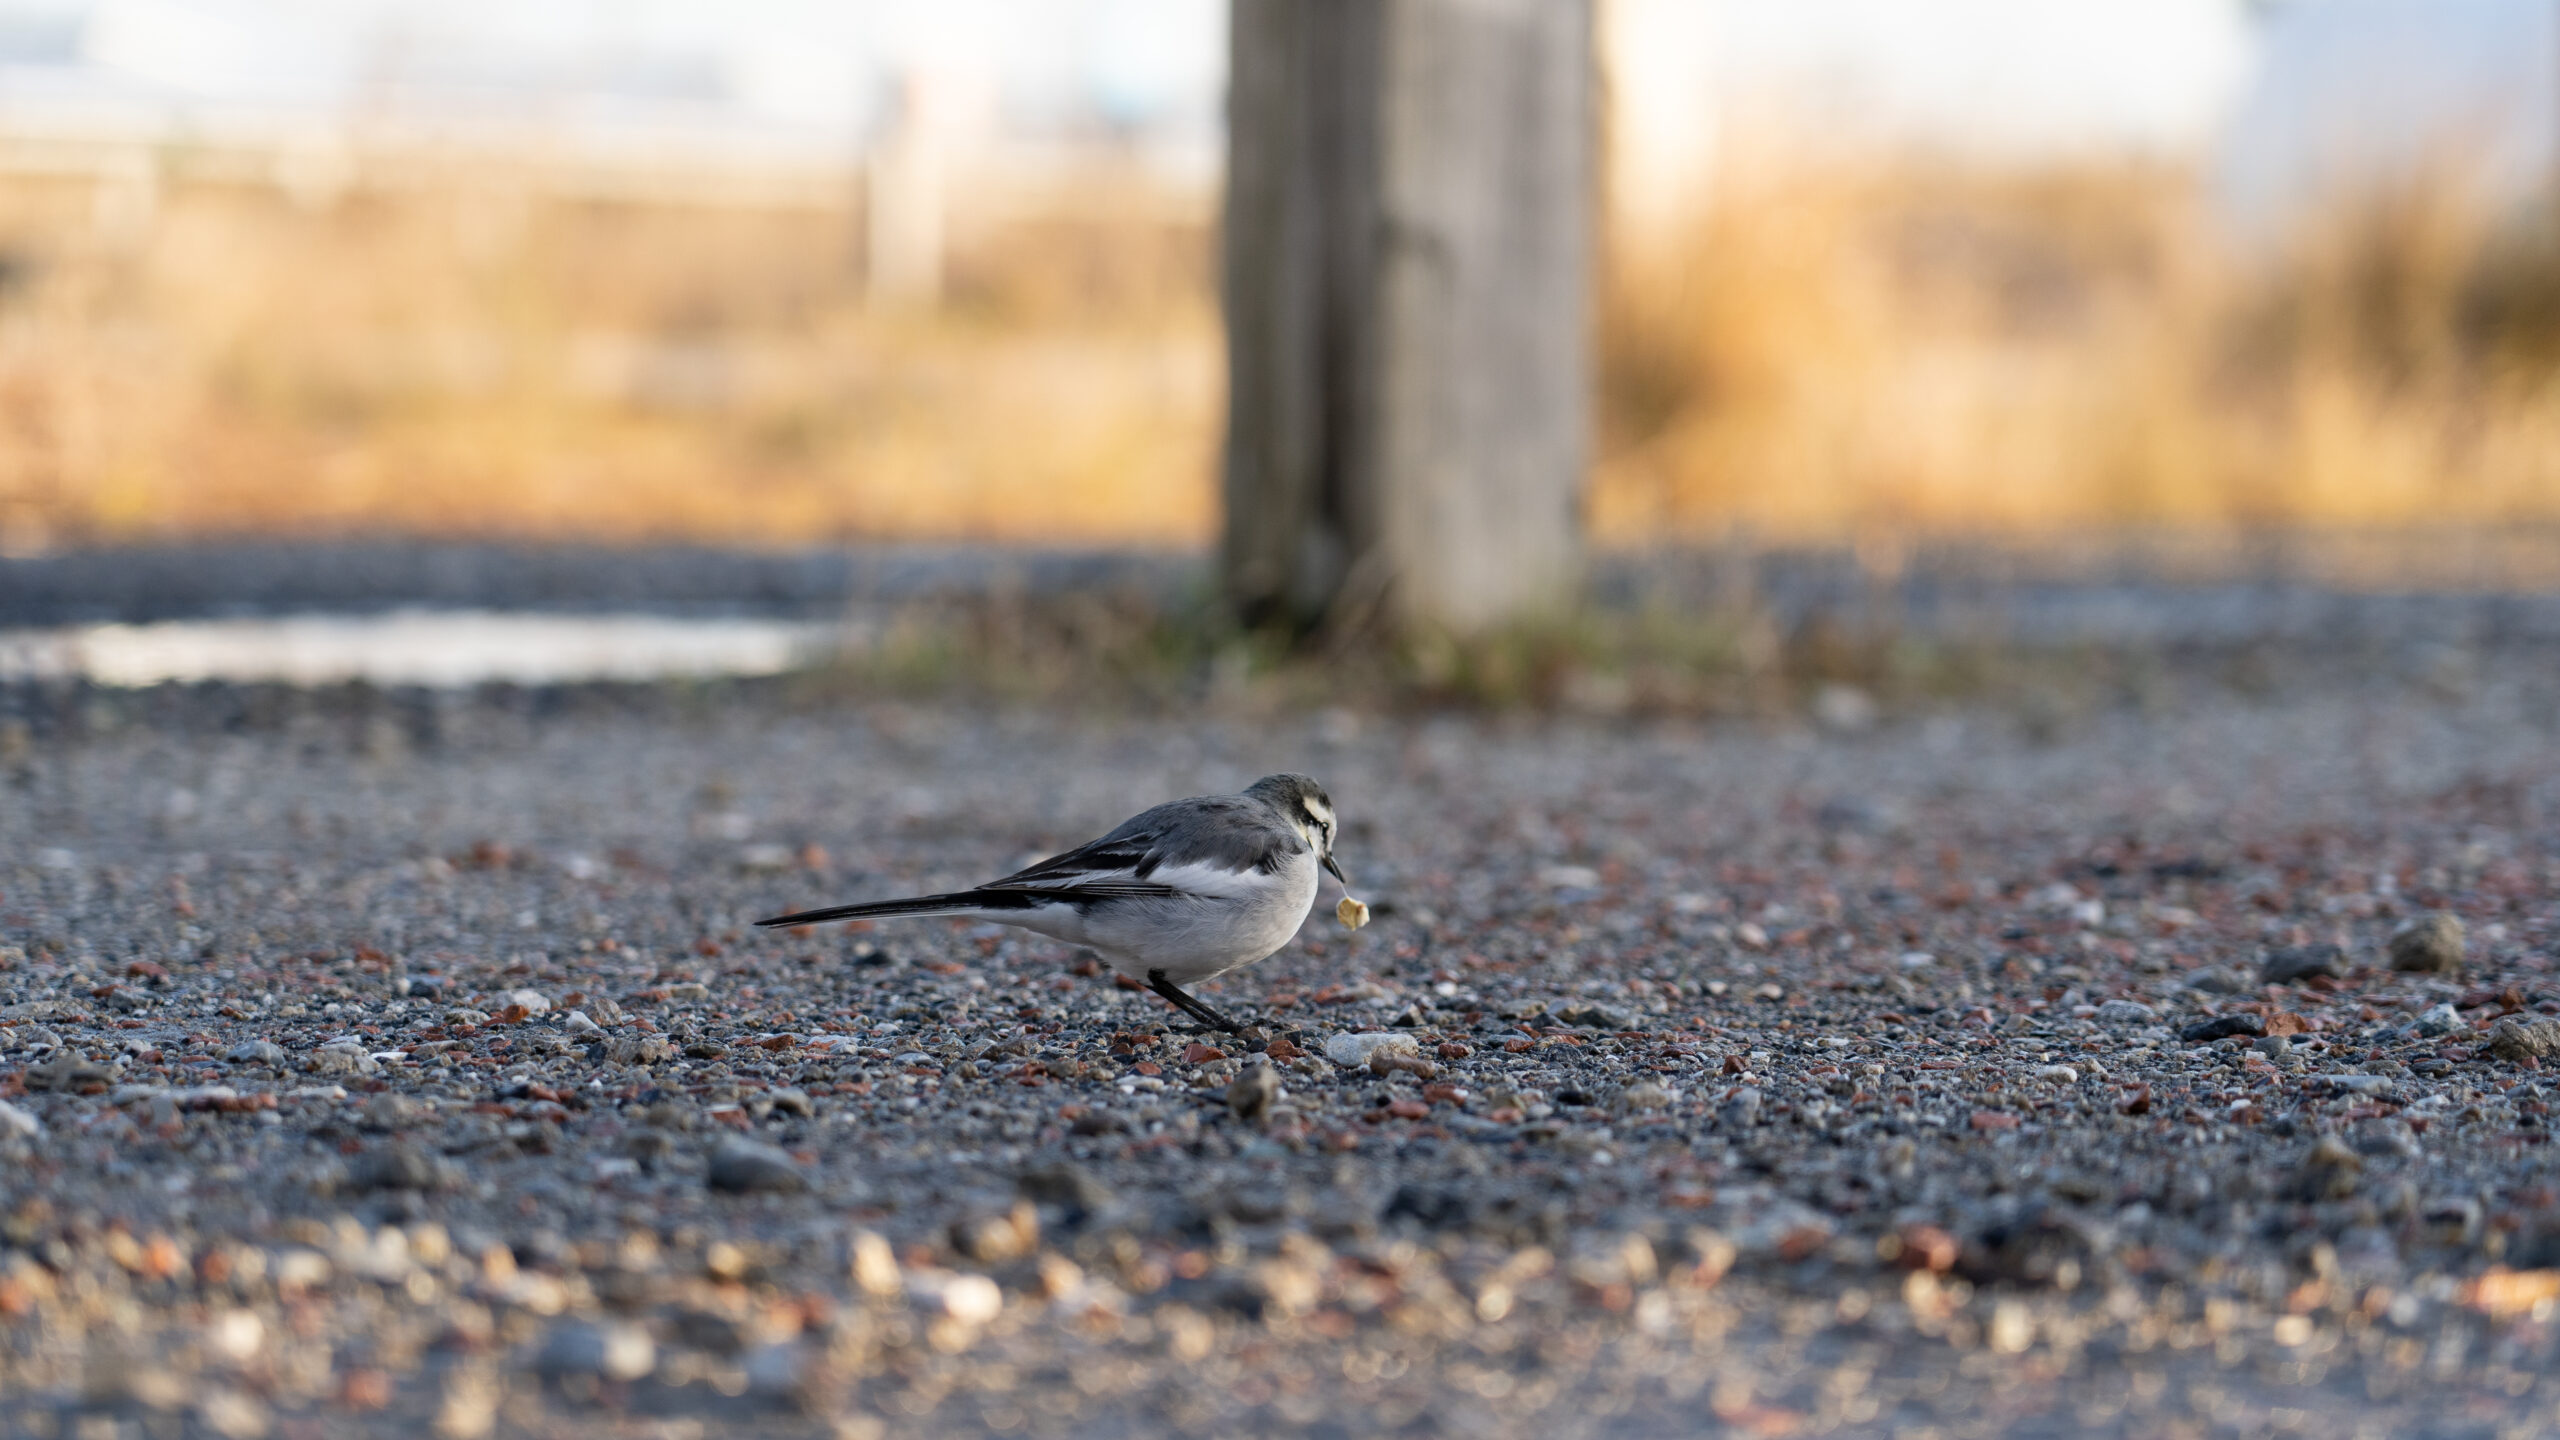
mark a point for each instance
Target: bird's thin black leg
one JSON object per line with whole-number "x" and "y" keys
{"x": 1190, "y": 1006}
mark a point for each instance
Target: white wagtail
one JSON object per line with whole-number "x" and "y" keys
{"x": 1188, "y": 890}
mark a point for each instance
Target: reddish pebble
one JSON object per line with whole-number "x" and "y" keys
{"x": 1452, "y": 1050}
{"x": 1519, "y": 1047}
{"x": 1197, "y": 1054}
{"x": 365, "y": 1390}
{"x": 1994, "y": 1120}
{"x": 1802, "y": 1241}
{"x": 1926, "y": 1247}
{"x": 1409, "y": 1110}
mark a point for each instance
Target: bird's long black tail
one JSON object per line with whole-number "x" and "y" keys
{"x": 956, "y": 903}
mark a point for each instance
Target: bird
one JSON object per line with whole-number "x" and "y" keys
{"x": 1176, "y": 895}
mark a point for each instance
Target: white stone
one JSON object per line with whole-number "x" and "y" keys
{"x": 1355, "y": 1050}
{"x": 969, "y": 1299}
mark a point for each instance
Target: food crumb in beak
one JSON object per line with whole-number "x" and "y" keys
{"x": 1352, "y": 913}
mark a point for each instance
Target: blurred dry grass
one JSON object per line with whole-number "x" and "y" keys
{"x": 467, "y": 355}
{"x": 1896, "y": 352}
{"x": 1871, "y": 351}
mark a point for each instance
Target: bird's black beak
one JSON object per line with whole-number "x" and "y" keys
{"x": 1337, "y": 872}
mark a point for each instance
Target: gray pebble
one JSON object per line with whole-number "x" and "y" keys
{"x": 2514, "y": 1040}
{"x": 609, "y": 1351}
{"x": 2431, "y": 944}
{"x": 1741, "y": 1110}
{"x": 395, "y": 1167}
{"x": 2223, "y": 1027}
{"x": 2301, "y": 962}
{"x": 1252, "y": 1094}
{"x": 743, "y": 1166}
{"x": 2436, "y": 1020}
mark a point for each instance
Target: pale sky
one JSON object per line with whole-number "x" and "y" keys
{"x": 1995, "y": 71}
{"x": 2275, "y": 90}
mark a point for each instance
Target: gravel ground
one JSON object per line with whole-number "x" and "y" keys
{"x": 364, "y": 1075}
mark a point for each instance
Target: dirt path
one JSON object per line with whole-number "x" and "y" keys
{"x": 364, "y": 1070}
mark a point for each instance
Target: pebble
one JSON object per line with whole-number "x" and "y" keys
{"x": 996, "y": 1239}
{"x": 67, "y": 1071}
{"x": 743, "y": 1166}
{"x": 579, "y": 1024}
{"x": 2223, "y": 1027}
{"x": 1741, "y": 1110}
{"x": 533, "y": 1001}
{"x": 2301, "y": 962}
{"x": 1068, "y": 1185}
{"x": 17, "y": 1122}
{"x": 874, "y": 1266}
{"x": 395, "y": 1167}
{"x": 634, "y": 1050}
{"x": 1253, "y": 1092}
{"x": 610, "y": 1351}
{"x": 1360, "y": 1048}
{"x": 1645, "y": 1095}
{"x": 2511, "y": 1040}
{"x": 1595, "y": 1017}
{"x": 339, "y": 1060}
{"x": 391, "y": 1110}
{"x": 969, "y": 1299}
{"x": 2329, "y": 1171}
{"x": 2436, "y": 1020}
{"x": 2127, "y": 1012}
{"x": 2430, "y": 944}
{"x": 710, "y": 1332}
{"x": 2213, "y": 980}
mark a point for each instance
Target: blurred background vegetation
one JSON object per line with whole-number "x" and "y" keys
{"x": 464, "y": 350}
{"x": 1876, "y": 341}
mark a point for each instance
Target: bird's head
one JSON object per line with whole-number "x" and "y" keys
{"x": 1303, "y": 803}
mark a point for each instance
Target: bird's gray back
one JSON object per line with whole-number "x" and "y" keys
{"x": 1234, "y": 833}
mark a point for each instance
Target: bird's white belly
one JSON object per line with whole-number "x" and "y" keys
{"x": 1191, "y": 937}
